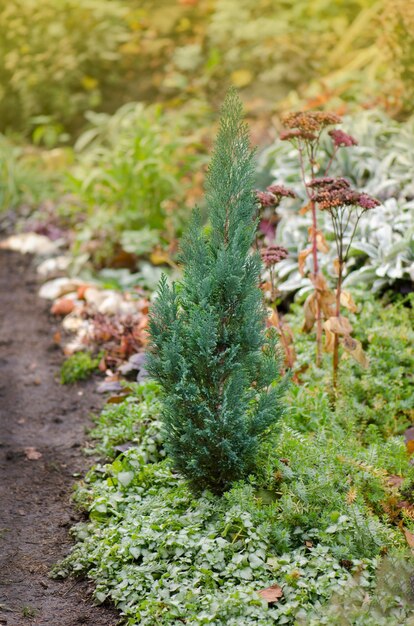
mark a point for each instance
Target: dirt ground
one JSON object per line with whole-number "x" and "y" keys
{"x": 37, "y": 412}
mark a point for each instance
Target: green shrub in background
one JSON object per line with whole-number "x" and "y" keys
{"x": 221, "y": 391}
{"x": 58, "y": 58}
{"x": 132, "y": 172}
{"x": 64, "y": 58}
{"x": 23, "y": 176}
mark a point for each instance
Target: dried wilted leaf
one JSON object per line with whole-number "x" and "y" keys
{"x": 305, "y": 208}
{"x": 271, "y": 594}
{"x": 329, "y": 340}
{"x": 63, "y": 306}
{"x": 339, "y": 325}
{"x": 351, "y": 495}
{"x": 348, "y": 302}
{"x": 354, "y": 348}
{"x": 302, "y": 259}
{"x": 321, "y": 242}
{"x": 309, "y": 309}
{"x": 395, "y": 481}
{"x": 410, "y": 446}
{"x": 319, "y": 282}
{"x": 273, "y": 318}
{"x": 326, "y": 300}
{"x": 336, "y": 266}
{"x": 409, "y": 537}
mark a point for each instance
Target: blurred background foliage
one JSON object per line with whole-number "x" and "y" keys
{"x": 107, "y": 110}
{"x": 62, "y": 58}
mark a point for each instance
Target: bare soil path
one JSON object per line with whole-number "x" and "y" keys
{"x": 37, "y": 412}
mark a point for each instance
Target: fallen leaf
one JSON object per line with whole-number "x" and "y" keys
{"x": 63, "y": 306}
{"x": 32, "y": 454}
{"x": 410, "y": 446}
{"x": 272, "y": 594}
{"x": 409, "y": 537}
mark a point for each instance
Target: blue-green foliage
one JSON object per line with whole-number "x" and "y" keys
{"x": 209, "y": 350}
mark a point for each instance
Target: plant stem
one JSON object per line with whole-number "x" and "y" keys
{"x": 335, "y": 358}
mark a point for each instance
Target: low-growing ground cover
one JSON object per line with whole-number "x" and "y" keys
{"x": 328, "y": 507}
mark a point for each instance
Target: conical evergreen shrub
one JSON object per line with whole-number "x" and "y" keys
{"x": 208, "y": 348}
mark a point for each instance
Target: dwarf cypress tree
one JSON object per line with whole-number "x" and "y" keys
{"x": 208, "y": 349}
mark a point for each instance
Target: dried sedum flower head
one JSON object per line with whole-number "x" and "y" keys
{"x": 273, "y": 195}
{"x": 328, "y": 181}
{"x": 265, "y": 198}
{"x": 310, "y": 121}
{"x": 288, "y": 135}
{"x": 336, "y": 192}
{"x": 281, "y": 191}
{"x": 367, "y": 202}
{"x": 273, "y": 254}
{"x": 342, "y": 139}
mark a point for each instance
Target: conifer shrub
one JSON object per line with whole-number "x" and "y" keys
{"x": 209, "y": 351}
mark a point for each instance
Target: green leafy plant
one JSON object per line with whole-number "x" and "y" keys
{"x": 130, "y": 180}
{"x": 208, "y": 349}
{"x": 79, "y": 366}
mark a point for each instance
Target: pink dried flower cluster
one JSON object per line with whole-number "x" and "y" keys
{"x": 280, "y": 190}
{"x": 273, "y": 254}
{"x": 336, "y": 192}
{"x": 273, "y": 195}
{"x": 342, "y": 139}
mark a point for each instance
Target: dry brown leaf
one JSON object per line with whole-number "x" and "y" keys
{"x": 348, "y": 302}
{"x": 351, "y": 495}
{"x": 339, "y": 325}
{"x": 395, "y": 481}
{"x": 326, "y": 302}
{"x": 271, "y": 594}
{"x": 63, "y": 306}
{"x": 319, "y": 282}
{"x": 329, "y": 340}
{"x": 409, "y": 537}
{"x": 302, "y": 259}
{"x": 273, "y": 318}
{"x": 336, "y": 266}
{"x": 32, "y": 454}
{"x": 354, "y": 348}
{"x": 410, "y": 446}
{"x": 309, "y": 309}
{"x": 305, "y": 208}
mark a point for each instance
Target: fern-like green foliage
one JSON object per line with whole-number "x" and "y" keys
{"x": 209, "y": 351}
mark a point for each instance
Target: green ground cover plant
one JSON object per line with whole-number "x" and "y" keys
{"x": 320, "y": 519}
{"x": 322, "y": 508}
{"x": 79, "y": 366}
